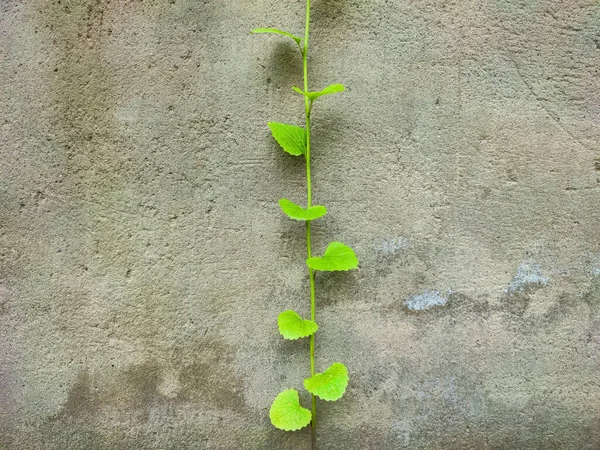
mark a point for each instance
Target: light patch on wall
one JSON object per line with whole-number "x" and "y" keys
{"x": 393, "y": 246}
{"x": 128, "y": 113}
{"x": 528, "y": 274}
{"x": 426, "y": 300}
{"x": 593, "y": 265}
{"x": 439, "y": 388}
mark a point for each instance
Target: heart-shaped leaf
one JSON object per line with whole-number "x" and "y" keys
{"x": 286, "y": 412}
{"x": 329, "y": 385}
{"x": 297, "y": 212}
{"x": 277, "y": 31}
{"x": 291, "y": 137}
{"x": 292, "y": 326}
{"x": 313, "y": 95}
{"x": 338, "y": 256}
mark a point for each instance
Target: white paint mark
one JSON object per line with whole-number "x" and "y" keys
{"x": 393, "y": 246}
{"x": 426, "y": 300}
{"x": 528, "y": 274}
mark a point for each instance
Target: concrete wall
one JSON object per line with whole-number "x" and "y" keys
{"x": 144, "y": 258}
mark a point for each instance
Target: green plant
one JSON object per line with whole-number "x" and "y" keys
{"x": 286, "y": 413}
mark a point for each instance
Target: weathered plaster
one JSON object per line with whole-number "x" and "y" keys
{"x": 144, "y": 259}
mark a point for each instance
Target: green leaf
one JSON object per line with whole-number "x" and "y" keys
{"x": 277, "y": 31}
{"x": 329, "y": 385}
{"x": 292, "y": 326}
{"x": 313, "y": 95}
{"x": 338, "y": 256}
{"x": 286, "y": 412}
{"x": 291, "y": 138}
{"x": 297, "y": 212}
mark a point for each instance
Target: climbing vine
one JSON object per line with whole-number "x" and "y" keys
{"x": 286, "y": 413}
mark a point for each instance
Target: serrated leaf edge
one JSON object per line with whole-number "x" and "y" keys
{"x": 299, "y": 405}
{"x": 321, "y": 373}
{"x": 302, "y": 152}
{"x": 318, "y": 258}
{"x": 303, "y": 321}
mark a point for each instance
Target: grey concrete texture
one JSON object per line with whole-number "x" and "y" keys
{"x": 144, "y": 258}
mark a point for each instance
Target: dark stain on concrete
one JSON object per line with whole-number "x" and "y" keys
{"x": 363, "y": 436}
{"x": 371, "y": 382}
{"x": 82, "y": 401}
{"x": 539, "y": 424}
{"x": 336, "y": 287}
{"x": 139, "y": 391}
{"x": 334, "y": 14}
{"x": 82, "y": 79}
{"x": 568, "y": 303}
{"x": 515, "y": 304}
{"x": 209, "y": 377}
{"x": 82, "y": 86}
{"x": 592, "y": 296}
{"x": 463, "y": 305}
{"x": 136, "y": 393}
{"x": 81, "y": 436}
{"x": 563, "y": 306}
{"x": 272, "y": 438}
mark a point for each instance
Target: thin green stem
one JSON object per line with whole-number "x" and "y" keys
{"x": 311, "y": 274}
{"x": 307, "y": 105}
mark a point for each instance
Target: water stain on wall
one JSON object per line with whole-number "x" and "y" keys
{"x": 207, "y": 380}
{"x": 82, "y": 90}
{"x": 210, "y": 377}
{"x": 82, "y": 401}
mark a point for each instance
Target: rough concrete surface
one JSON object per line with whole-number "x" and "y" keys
{"x": 144, "y": 258}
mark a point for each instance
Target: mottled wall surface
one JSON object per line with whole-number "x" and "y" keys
{"x": 144, "y": 258}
